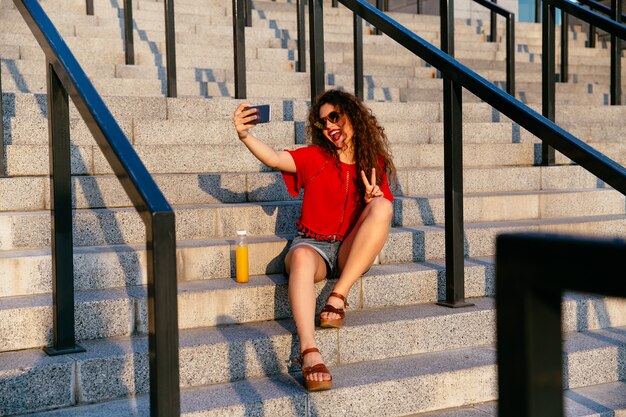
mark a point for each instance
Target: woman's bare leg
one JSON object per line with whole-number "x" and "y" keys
{"x": 360, "y": 248}
{"x": 305, "y": 267}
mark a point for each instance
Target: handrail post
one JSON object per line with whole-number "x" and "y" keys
{"x": 358, "y": 54}
{"x": 419, "y": 6}
{"x": 239, "y": 43}
{"x": 528, "y": 325}
{"x": 248, "y": 8}
{"x": 89, "y": 7}
{"x": 334, "y": 4}
{"x": 380, "y": 6}
{"x": 453, "y": 170}
{"x": 591, "y": 42}
{"x": 538, "y": 6}
{"x": 129, "y": 44}
{"x": 564, "y": 46}
{"x": 616, "y": 54}
{"x": 62, "y": 244}
{"x": 510, "y": 54}
{"x": 547, "y": 76}
{"x": 170, "y": 47}
{"x": 163, "y": 315}
{"x": 316, "y": 38}
{"x": 493, "y": 23}
{"x": 301, "y": 67}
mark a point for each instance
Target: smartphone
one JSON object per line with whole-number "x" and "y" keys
{"x": 264, "y": 113}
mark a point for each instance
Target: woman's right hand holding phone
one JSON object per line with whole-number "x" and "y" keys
{"x": 243, "y": 120}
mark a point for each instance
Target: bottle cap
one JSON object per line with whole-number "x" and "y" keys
{"x": 242, "y": 232}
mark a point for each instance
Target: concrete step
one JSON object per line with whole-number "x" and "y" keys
{"x": 470, "y": 372}
{"x": 29, "y": 130}
{"x": 417, "y": 211}
{"x": 27, "y": 271}
{"x": 34, "y": 131}
{"x": 104, "y": 191}
{"x": 234, "y": 187}
{"x": 31, "y": 160}
{"x": 122, "y": 225}
{"x": 122, "y": 311}
{"x": 188, "y": 108}
{"x": 203, "y": 83}
{"x": 580, "y": 402}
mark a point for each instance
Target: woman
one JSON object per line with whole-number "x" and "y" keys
{"x": 346, "y": 210}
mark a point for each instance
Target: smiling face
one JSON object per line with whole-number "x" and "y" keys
{"x": 338, "y": 130}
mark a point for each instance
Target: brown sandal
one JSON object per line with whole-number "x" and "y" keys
{"x": 334, "y": 323}
{"x": 311, "y": 385}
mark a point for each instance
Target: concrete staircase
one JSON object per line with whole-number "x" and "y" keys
{"x": 399, "y": 353}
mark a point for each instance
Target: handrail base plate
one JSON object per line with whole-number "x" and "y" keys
{"x": 50, "y": 351}
{"x": 458, "y": 304}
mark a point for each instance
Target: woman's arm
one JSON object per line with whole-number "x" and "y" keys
{"x": 243, "y": 120}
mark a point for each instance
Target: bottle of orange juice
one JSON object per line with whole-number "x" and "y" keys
{"x": 241, "y": 256}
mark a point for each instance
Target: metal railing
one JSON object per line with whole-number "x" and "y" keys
{"x": 129, "y": 42}
{"x": 170, "y": 48}
{"x": 532, "y": 272}
{"x": 301, "y": 67}
{"x": 170, "y": 40}
{"x": 548, "y": 58}
{"x": 510, "y": 39}
{"x": 239, "y": 45}
{"x": 594, "y": 5}
{"x": 65, "y": 76}
{"x": 457, "y": 76}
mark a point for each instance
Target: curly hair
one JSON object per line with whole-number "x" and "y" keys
{"x": 370, "y": 141}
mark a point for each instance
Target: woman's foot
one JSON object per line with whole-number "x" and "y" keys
{"x": 333, "y": 313}
{"x": 316, "y": 375}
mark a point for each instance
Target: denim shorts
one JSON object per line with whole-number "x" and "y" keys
{"x": 329, "y": 251}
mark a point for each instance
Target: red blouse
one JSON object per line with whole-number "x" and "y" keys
{"x": 331, "y": 204}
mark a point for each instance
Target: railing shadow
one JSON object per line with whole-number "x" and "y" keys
{"x": 619, "y": 360}
{"x": 240, "y": 349}
{"x": 158, "y": 56}
{"x": 589, "y": 403}
{"x": 85, "y": 275}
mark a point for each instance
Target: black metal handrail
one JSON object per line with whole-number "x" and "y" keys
{"x": 548, "y": 58}
{"x": 170, "y": 41}
{"x": 239, "y": 46}
{"x": 66, "y": 76}
{"x": 129, "y": 45}
{"x": 301, "y": 67}
{"x": 594, "y": 5}
{"x": 532, "y": 272}
{"x": 170, "y": 48}
{"x": 600, "y": 8}
{"x": 457, "y": 75}
{"x": 510, "y": 39}
{"x": 129, "y": 42}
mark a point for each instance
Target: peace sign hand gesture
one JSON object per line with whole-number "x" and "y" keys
{"x": 371, "y": 189}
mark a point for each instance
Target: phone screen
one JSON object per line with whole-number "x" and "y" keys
{"x": 264, "y": 113}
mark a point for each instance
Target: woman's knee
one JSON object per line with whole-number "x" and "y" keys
{"x": 301, "y": 257}
{"x": 381, "y": 209}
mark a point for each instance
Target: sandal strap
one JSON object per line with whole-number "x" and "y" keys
{"x": 300, "y": 360}
{"x": 319, "y": 368}
{"x": 332, "y": 309}
{"x": 341, "y": 297}
{"x": 309, "y": 350}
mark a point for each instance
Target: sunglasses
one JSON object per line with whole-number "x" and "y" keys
{"x": 332, "y": 117}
